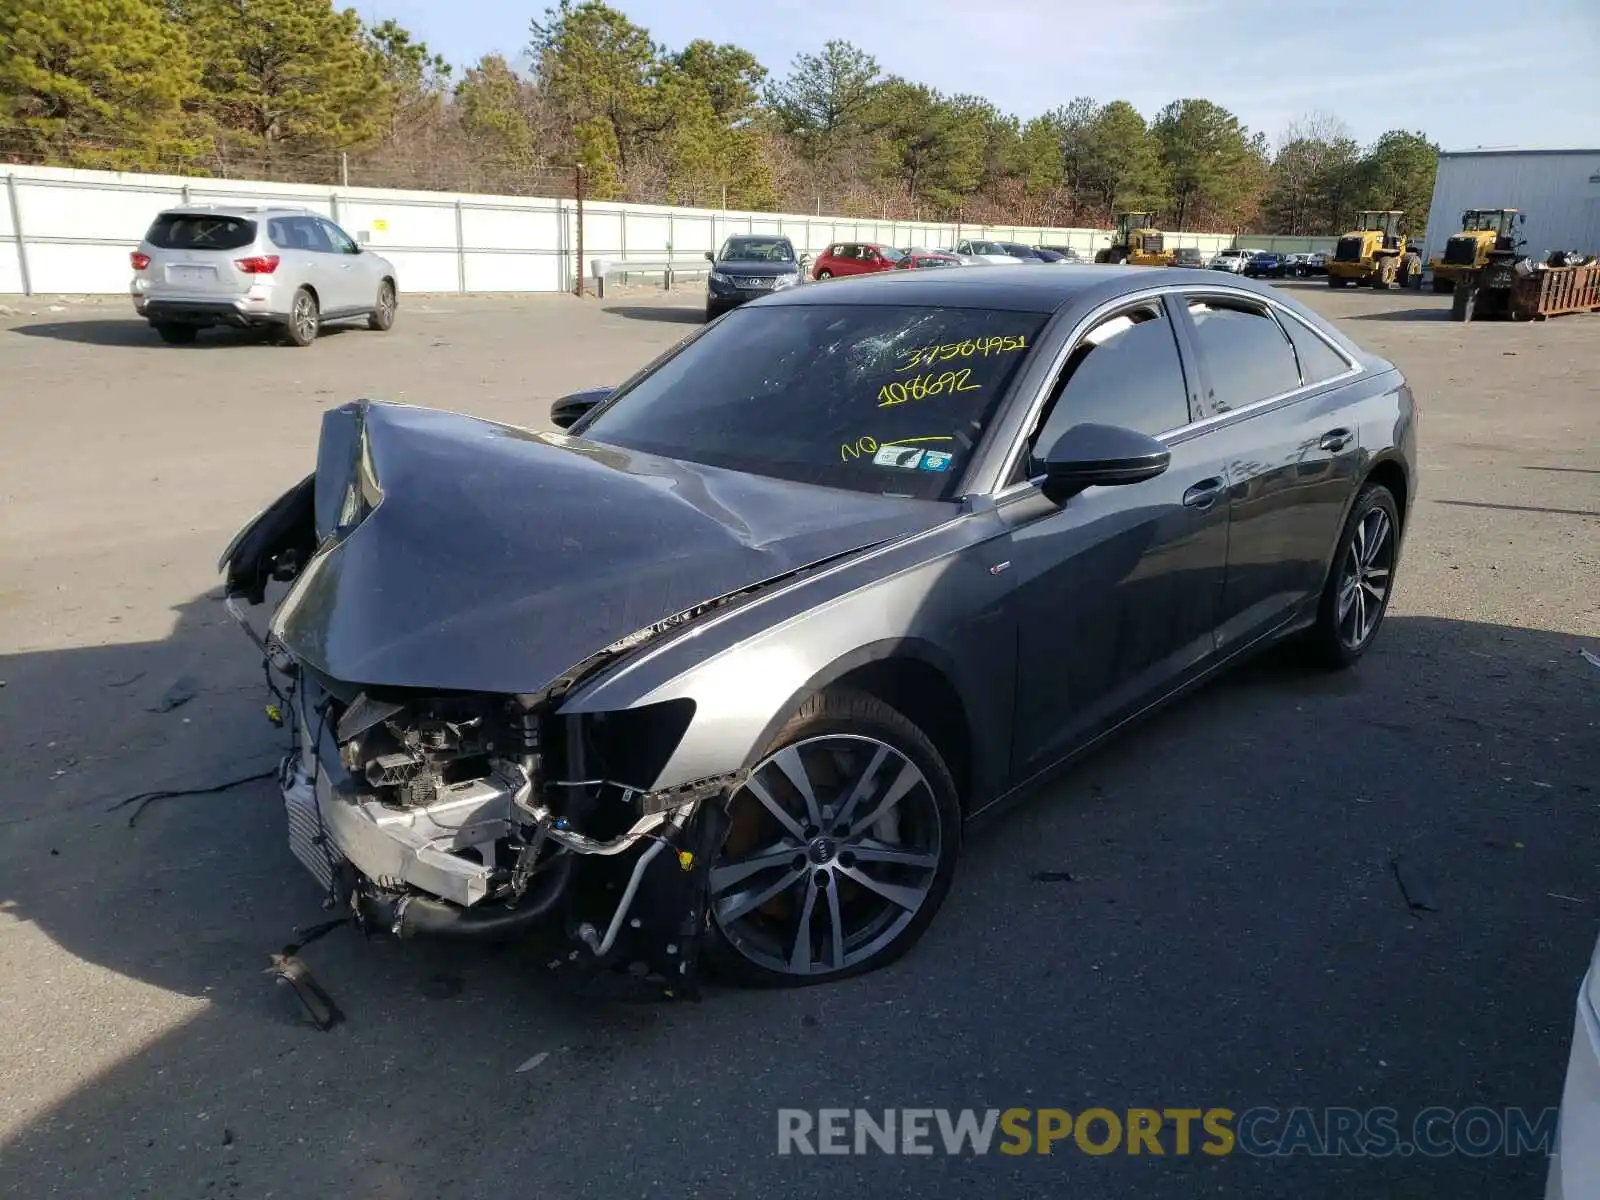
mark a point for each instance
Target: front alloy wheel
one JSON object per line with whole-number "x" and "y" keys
{"x": 381, "y": 318}
{"x": 840, "y": 848}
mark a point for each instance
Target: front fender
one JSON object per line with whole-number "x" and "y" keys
{"x": 748, "y": 668}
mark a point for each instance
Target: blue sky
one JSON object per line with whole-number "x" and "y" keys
{"x": 1444, "y": 67}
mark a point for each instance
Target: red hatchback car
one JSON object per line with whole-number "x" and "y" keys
{"x": 855, "y": 258}
{"x": 916, "y": 258}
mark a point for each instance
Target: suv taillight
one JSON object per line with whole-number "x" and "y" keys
{"x": 261, "y": 264}
{"x": 139, "y": 261}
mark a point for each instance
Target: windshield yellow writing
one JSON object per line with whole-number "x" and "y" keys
{"x": 871, "y": 445}
{"x": 926, "y": 356}
{"x": 901, "y": 390}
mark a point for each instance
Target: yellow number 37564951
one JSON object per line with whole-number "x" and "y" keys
{"x": 923, "y": 386}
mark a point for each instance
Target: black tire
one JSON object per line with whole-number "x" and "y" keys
{"x": 1327, "y": 641}
{"x": 381, "y": 318}
{"x": 175, "y": 334}
{"x": 1337, "y": 281}
{"x": 305, "y": 319}
{"x": 1444, "y": 285}
{"x": 824, "y": 274}
{"x": 855, "y": 715}
{"x": 712, "y": 313}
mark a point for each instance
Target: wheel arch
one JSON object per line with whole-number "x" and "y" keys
{"x": 1389, "y": 470}
{"x": 912, "y": 676}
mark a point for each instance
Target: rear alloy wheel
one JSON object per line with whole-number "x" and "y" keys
{"x": 841, "y": 847}
{"x": 176, "y": 335}
{"x": 304, "y": 318}
{"x": 381, "y": 318}
{"x": 824, "y": 274}
{"x": 1356, "y": 596}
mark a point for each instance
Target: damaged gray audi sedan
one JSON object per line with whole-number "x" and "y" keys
{"x": 719, "y": 670}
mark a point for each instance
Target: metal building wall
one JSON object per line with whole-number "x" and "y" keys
{"x": 1558, "y": 191}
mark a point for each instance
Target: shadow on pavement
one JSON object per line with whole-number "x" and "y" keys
{"x": 1226, "y": 931}
{"x": 672, "y": 314}
{"x": 136, "y": 332}
{"x": 1441, "y": 313}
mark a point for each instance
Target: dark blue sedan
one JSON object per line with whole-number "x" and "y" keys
{"x": 1265, "y": 264}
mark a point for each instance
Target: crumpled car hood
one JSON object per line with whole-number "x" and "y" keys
{"x": 490, "y": 558}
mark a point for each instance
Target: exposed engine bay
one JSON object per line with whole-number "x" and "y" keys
{"x": 478, "y": 816}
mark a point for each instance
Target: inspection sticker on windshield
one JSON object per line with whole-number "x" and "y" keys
{"x": 936, "y": 460}
{"x": 907, "y": 457}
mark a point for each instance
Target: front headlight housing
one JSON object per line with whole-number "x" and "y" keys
{"x": 783, "y": 281}
{"x": 719, "y": 277}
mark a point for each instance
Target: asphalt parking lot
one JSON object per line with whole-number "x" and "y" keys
{"x": 1203, "y": 915}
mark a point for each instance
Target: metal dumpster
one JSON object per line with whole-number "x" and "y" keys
{"x": 1554, "y": 291}
{"x": 1498, "y": 290}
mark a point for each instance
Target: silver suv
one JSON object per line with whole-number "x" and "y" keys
{"x": 285, "y": 267}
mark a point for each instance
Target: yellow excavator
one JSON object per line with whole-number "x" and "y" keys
{"x": 1374, "y": 252}
{"x": 1137, "y": 242}
{"x": 1483, "y": 231}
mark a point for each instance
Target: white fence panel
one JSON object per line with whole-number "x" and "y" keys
{"x": 77, "y": 227}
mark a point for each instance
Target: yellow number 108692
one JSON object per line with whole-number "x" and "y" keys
{"x": 923, "y": 386}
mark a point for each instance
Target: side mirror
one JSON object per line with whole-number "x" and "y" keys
{"x": 1099, "y": 456}
{"x": 565, "y": 412}
{"x": 710, "y": 257}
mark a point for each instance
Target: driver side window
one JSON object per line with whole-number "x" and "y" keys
{"x": 1125, "y": 371}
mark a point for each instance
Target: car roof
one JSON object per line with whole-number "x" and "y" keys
{"x": 1019, "y": 288}
{"x": 238, "y": 210}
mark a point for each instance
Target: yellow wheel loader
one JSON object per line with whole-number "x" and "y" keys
{"x": 1483, "y": 231}
{"x": 1374, "y": 252}
{"x": 1137, "y": 242}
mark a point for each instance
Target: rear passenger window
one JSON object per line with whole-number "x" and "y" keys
{"x": 1246, "y": 355}
{"x": 1125, "y": 372}
{"x": 1318, "y": 360}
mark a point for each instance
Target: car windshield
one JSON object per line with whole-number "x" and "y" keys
{"x": 193, "y": 231}
{"x": 873, "y": 398}
{"x": 756, "y": 249}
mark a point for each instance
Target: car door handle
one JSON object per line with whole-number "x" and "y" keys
{"x": 1335, "y": 440}
{"x": 1203, "y": 494}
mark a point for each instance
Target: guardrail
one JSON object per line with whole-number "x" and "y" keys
{"x": 667, "y": 268}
